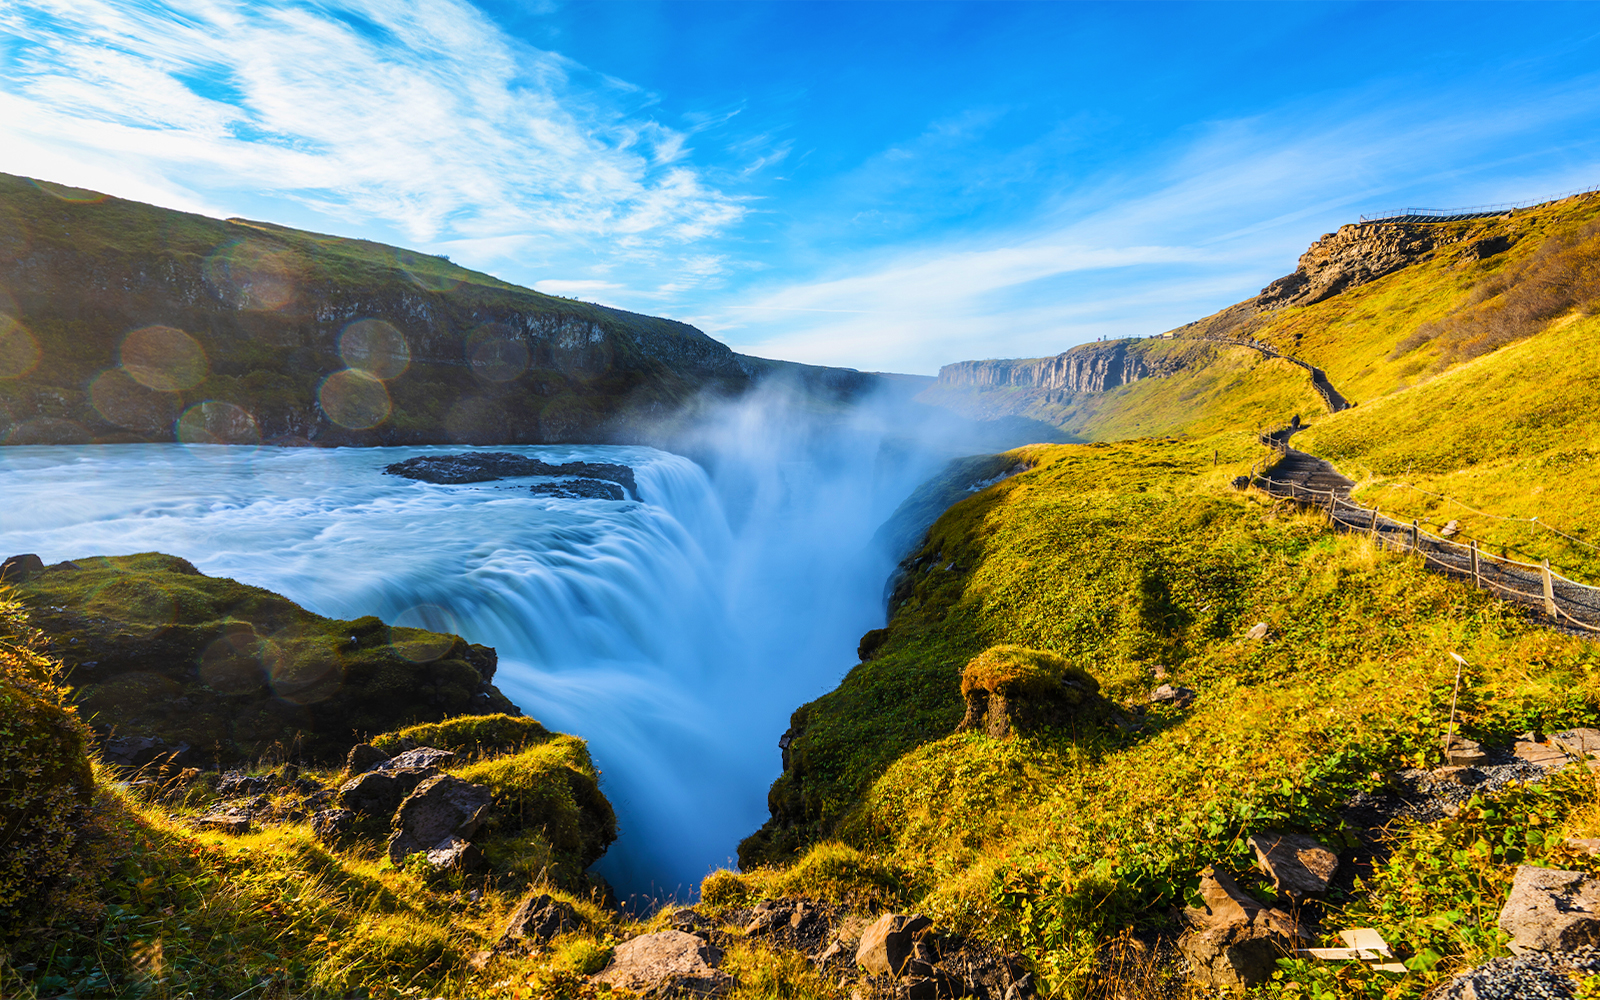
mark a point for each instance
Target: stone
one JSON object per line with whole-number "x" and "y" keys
{"x": 232, "y": 821}
{"x": 668, "y": 963}
{"x": 134, "y": 752}
{"x": 1549, "y": 910}
{"x": 887, "y": 945}
{"x": 1463, "y": 752}
{"x": 1586, "y": 845}
{"x": 1295, "y": 862}
{"x": 362, "y": 758}
{"x": 424, "y": 757}
{"x": 1578, "y": 742}
{"x": 1177, "y": 697}
{"x": 1235, "y": 940}
{"x": 455, "y": 854}
{"x": 18, "y": 568}
{"x": 1541, "y": 754}
{"x": 441, "y": 806}
{"x": 379, "y": 793}
{"x": 1257, "y": 631}
{"x": 1456, "y": 774}
{"x": 331, "y": 826}
{"x": 488, "y": 466}
{"x": 579, "y": 489}
{"x": 537, "y": 919}
{"x": 238, "y": 785}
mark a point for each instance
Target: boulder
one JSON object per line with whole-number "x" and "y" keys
{"x": 669, "y": 963}
{"x": 455, "y": 854}
{"x": 1579, "y": 743}
{"x": 1540, "y": 754}
{"x": 1584, "y": 845}
{"x": 1549, "y": 910}
{"x": 441, "y": 806}
{"x": 362, "y": 758}
{"x": 379, "y": 793}
{"x": 425, "y": 757}
{"x": 1295, "y": 862}
{"x": 537, "y": 919}
{"x": 1013, "y": 688}
{"x": 1257, "y": 631}
{"x": 1235, "y": 940}
{"x": 331, "y": 826}
{"x": 135, "y": 752}
{"x": 18, "y": 568}
{"x": 1177, "y": 697}
{"x": 233, "y": 821}
{"x": 888, "y": 944}
{"x": 238, "y": 785}
{"x": 1463, "y": 752}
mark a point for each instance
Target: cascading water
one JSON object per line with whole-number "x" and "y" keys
{"x": 676, "y": 634}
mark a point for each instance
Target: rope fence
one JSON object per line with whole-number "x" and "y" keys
{"x": 1533, "y": 584}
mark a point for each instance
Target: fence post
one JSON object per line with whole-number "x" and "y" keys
{"x": 1549, "y": 591}
{"x": 1414, "y": 535}
{"x": 1372, "y": 528}
{"x": 1477, "y": 580}
{"x": 1333, "y": 522}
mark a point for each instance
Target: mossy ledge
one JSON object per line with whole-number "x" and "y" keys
{"x": 154, "y": 648}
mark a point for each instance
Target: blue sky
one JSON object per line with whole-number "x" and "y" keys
{"x": 889, "y": 186}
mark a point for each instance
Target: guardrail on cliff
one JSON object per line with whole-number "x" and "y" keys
{"x": 1331, "y": 397}
{"x": 1565, "y": 601}
{"x": 1459, "y": 214}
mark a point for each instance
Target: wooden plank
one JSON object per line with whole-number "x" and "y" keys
{"x": 1549, "y": 591}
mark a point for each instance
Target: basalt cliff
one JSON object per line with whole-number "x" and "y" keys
{"x": 124, "y": 322}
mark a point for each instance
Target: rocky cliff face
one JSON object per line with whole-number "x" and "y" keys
{"x": 126, "y": 322}
{"x": 1089, "y": 368}
{"x": 1355, "y": 255}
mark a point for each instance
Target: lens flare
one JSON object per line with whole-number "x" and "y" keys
{"x": 249, "y": 275}
{"x": 497, "y": 353}
{"x": 49, "y": 430}
{"x": 376, "y": 348}
{"x": 303, "y": 681}
{"x": 354, "y": 399}
{"x": 77, "y": 196}
{"x": 126, "y": 403}
{"x": 230, "y": 665}
{"x": 163, "y": 358}
{"x": 19, "y": 352}
{"x": 216, "y": 422}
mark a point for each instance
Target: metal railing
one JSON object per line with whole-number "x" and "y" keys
{"x": 1457, "y": 214}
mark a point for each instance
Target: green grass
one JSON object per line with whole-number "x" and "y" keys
{"x": 1120, "y": 558}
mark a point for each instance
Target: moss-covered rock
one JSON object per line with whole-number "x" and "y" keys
{"x": 1012, "y": 688}
{"x": 547, "y": 802}
{"x": 481, "y": 734}
{"x": 156, "y": 648}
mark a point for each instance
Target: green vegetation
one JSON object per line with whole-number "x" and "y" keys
{"x": 476, "y": 734}
{"x": 156, "y": 648}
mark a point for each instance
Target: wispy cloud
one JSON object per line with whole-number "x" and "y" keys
{"x": 422, "y": 115}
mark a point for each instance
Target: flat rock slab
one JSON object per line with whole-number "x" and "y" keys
{"x": 1235, "y": 940}
{"x": 1295, "y": 862}
{"x": 668, "y": 963}
{"x": 1551, "y": 911}
{"x": 423, "y": 757}
{"x": 233, "y": 821}
{"x": 887, "y": 946}
{"x": 1578, "y": 742}
{"x": 1540, "y": 754}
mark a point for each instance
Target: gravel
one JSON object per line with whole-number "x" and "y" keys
{"x": 1535, "y": 976}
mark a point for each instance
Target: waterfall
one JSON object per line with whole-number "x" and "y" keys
{"x": 675, "y": 633}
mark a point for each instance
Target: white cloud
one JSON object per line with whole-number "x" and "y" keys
{"x": 421, "y": 115}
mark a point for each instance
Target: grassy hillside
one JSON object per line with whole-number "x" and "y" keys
{"x": 121, "y": 321}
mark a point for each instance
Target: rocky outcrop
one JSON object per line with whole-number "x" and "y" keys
{"x": 1356, "y": 255}
{"x": 442, "y": 810}
{"x": 1551, "y": 911}
{"x": 489, "y": 466}
{"x": 1234, "y": 940}
{"x": 226, "y": 671}
{"x": 1090, "y": 368}
{"x": 667, "y": 964}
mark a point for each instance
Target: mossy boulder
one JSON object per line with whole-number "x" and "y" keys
{"x": 547, "y": 801}
{"x": 480, "y": 734}
{"x": 155, "y": 648}
{"x": 1012, "y": 688}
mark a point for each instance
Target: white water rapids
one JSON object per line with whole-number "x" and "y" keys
{"x": 676, "y": 634}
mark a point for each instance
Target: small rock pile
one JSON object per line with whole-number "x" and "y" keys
{"x": 243, "y": 800}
